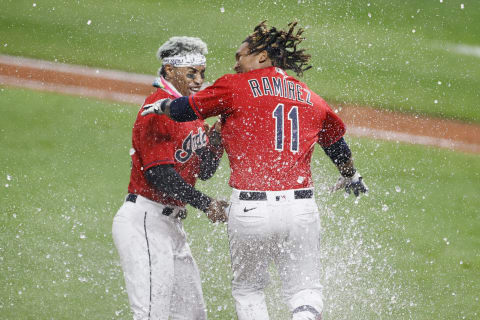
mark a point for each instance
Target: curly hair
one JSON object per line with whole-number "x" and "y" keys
{"x": 281, "y": 46}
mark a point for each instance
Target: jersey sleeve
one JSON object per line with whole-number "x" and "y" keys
{"x": 215, "y": 99}
{"x": 333, "y": 127}
{"x": 157, "y": 145}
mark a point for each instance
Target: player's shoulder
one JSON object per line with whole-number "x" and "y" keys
{"x": 224, "y": 81}
{"x": 250, "y": 74}
{"x": 227, "y": 78}
{"x": 315, "y": 98}
{"x": 157, "y": 95}
{"x": 152, "y": 120}
{"x": 318, "y": 100}
{"x": 264, "y": 72}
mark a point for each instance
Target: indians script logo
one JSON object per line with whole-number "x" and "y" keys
{"x": 190, "y": 144}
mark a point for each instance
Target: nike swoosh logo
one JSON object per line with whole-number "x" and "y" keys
{"x": 246, "y": 210}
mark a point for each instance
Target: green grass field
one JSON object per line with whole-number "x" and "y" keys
{"x": 399, "y": 55}
{"x": 410, "y": 250}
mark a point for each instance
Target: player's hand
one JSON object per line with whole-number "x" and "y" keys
{"x": 214, "y": 135}
{"x": 353, "y": 184}
{"x": 158, "y": 107}
{"x": 216, "y": 212}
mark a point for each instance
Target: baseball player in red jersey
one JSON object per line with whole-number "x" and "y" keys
{"x": 271, "y": 123}
{"x": 162, "y": 278}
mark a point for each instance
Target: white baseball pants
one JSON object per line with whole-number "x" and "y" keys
{"x": 161, "y": 276}
{"x": 283, "y": 229}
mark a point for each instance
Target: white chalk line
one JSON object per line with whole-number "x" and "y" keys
{"x": 467, "y": 50}
{"x": 73, "y": 90}
{"x": 146, "y": 79}
{"x": 411, "y": 138}
{"x": 78, "y": 70}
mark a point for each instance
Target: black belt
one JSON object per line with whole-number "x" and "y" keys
{"x": 166, "y": 211}
{"x": 261, "y": 195}
{"x": 132, "y": 197}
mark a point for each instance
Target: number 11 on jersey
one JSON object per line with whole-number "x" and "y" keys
{"x": 279, "y": 127}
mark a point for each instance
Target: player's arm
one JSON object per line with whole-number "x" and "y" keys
{"x": 211, "y": 154}
{"x": 165, "y": 179}
{"x": 341, "y": 156}
{"x": 332, "y": 141}
{"x": 350, "y": 179}
{"x": 178, "y": 109}
{"x": 211, "y": 101}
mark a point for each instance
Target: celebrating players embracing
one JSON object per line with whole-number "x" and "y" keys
{"x": 270, "y": 124}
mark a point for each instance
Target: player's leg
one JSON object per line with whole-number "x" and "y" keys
{"x": 162, "y": 243}
{"x": 250, "y": 277}
{"x": 146, "y": 259}
{"x": 249, "y": 250}
{"x": 299, "y": 262}
{"x": 187, "y": 298}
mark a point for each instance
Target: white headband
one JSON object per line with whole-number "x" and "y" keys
{"x": 186, "y": 60}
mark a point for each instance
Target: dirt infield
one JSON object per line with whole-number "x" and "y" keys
{"x": 133, "y": 88}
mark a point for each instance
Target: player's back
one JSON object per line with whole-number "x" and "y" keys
{"x": 272, "y": 126}
{"x": 271, "y": 122}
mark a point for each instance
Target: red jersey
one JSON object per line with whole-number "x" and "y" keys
{"x": 158, "y": 140}
{"x": 271, "y": 122}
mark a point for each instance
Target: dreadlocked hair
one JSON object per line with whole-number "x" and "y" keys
{"x": 281, "y": 46}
